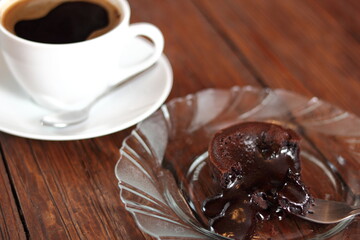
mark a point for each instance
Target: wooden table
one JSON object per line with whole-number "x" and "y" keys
{"x": 67, "y": 190}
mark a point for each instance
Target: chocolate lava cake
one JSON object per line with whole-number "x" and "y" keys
{"x": 257, "y": 166}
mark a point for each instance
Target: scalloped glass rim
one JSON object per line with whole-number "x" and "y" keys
{"x": 152, "y": 187}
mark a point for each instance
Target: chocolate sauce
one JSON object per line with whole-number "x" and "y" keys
{"x": 231, "y": 214}
{"x": 258, "y": 168}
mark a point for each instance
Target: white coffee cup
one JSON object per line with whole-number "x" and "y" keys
{"x": 69, "y": 76}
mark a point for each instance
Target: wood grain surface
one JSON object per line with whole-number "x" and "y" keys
{"x": 68, "y": 190}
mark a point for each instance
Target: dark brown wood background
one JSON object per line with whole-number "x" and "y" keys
{"x": 67, "y": 190}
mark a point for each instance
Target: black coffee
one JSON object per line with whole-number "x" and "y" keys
{"x": 66, "y": 22}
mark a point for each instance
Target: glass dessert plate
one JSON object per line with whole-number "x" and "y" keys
{"x": 164, "y": 178}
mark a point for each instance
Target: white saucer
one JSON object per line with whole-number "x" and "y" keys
{"x": 124, "y": 107}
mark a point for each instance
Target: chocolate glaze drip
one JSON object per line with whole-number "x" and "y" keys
{"x": 257, "y": 166}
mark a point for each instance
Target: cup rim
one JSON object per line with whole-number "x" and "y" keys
{"x": 125, "y": 17}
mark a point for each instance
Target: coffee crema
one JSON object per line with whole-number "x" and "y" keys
{"x": 59, "y": 22}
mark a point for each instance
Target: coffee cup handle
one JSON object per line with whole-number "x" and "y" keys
{"x": 154, "y": 34}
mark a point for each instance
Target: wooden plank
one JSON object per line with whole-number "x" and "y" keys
{"x": 67, "y": 189}
{"x": 346, "y": 16}
{"x": 296, "y": 45}
{"x": 199, "y": 56}
{"x": 11, "y": 226}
